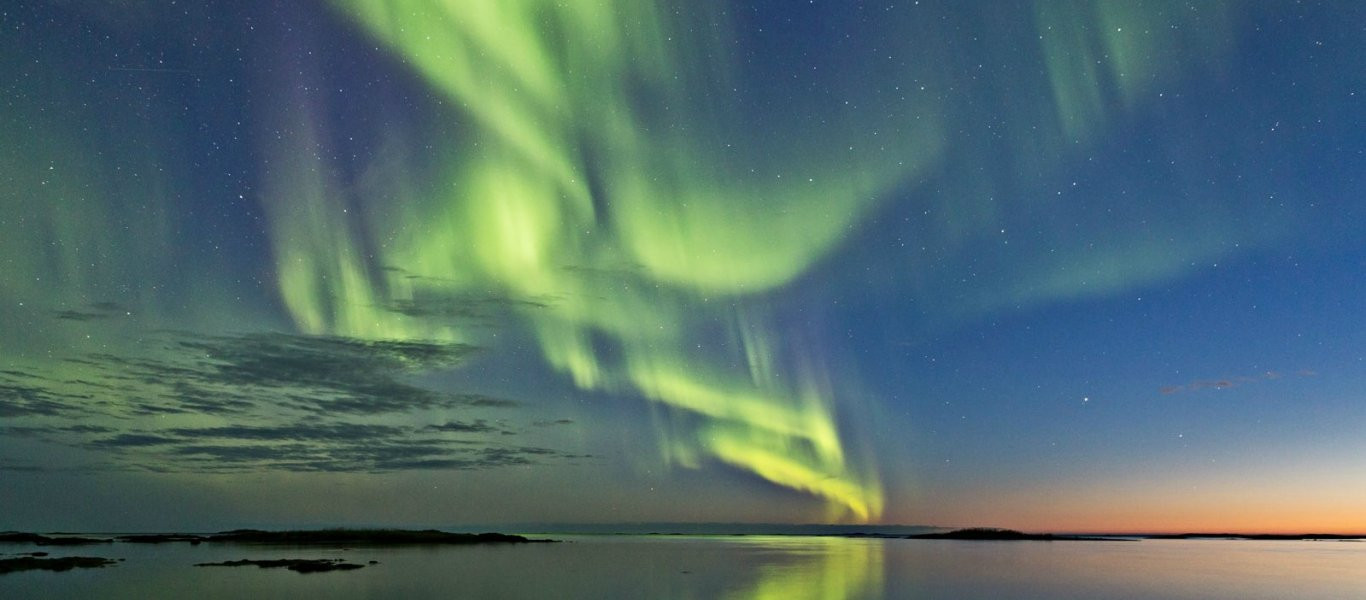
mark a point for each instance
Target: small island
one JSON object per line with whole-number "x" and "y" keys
{"x": 298, "y": 565}
{"x": 319, "y": 538}
{"x": 365, "y": 537}
{"x": 162, "y": 538}
{"x": 998, "y": 534}
{"x": 315, "y": 537}
{"x": 41, "y": 563}
{"x": 15, "y": 537}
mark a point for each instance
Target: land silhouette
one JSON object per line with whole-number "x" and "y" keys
{"x": 15, "y": 537}
{"x": 1006, "y": 535}
{"x": 298, "y": 565}
{"x": 348, "y": 538}
{"x": 319, "y": 538}
{"x": 32, "y": 562}
{"x": 334, "y": 537}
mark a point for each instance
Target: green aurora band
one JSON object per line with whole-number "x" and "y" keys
{"x": 635, "y": 186}
{"x": 600, "y": 174}
{"x": 623, "y": 174}
{"x": 631, "y": 184}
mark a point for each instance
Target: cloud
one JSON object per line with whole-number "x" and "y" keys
{"x": 31, "y": 431}
{"x": 344, "y": 365}
{"x": 271, "y": 401}
{"x": 132, "y": 440}
{"x": 609, "y": 272}
{"x": 476, "y": 426}
{"x": 448, "y": 306}
{"x": 322, "y": 446}
{"x": 239, "y": 374}
{"x": 466, "y": 308}
{"x": 1228, "y": 382}
{"x": 23, "y": 400}
{"x": 95, "y": 311}
{"x": 301, "y": 432}
{"x": 75, "y": 315}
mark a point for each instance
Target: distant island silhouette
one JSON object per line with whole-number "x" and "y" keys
{"x": 346, "y": 538}
{"x": 319, "y": 538}
{"x": 298, "y": 565}
{"x": 36, "y": 561}
{"x": 998, "y": 534}
{"x": 15, "y": 537}
{"x": 335, "y": 537}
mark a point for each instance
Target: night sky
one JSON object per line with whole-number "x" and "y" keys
{"x": 1051, "y": 265}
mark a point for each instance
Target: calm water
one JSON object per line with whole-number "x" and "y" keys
{"x": 728, "y": 567}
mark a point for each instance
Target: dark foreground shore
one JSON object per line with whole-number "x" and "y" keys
{"x": 321, "y": 538}
{"x": 42, "y": 563}
{"x": 315, "y": 537}
{"x": 336, "y": 537}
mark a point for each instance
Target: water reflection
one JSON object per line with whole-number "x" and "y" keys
{"x": 825, "y": 568}
{"x": 730, "y": 567}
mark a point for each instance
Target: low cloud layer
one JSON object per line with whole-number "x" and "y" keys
{"x": 1230, "y": 382}
{"x": 321, "y": 447}
{"x": 265, "y": 401}
{"x": 325, "y": 376}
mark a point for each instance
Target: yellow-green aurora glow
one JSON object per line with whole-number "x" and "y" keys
{"x": 599, "y": 174}
{"x": 579, "y": 261}
{"x": 635, "y": 190}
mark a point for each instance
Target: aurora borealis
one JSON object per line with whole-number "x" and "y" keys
{"x": 1082, "y": 264}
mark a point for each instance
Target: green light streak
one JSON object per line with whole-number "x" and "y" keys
{"x": 325, "y": 283}
{"x": 1102, "y": 55}
{"x": 610, "y": 160}
{"x": 830, "y": 569}
{"x": 84, "y": 213}
{"x": 674, "y": 232}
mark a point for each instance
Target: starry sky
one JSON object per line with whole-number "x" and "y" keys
{"x": 1051, "y": 265}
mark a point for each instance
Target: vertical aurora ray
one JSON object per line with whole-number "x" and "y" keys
{"x": 620, "y": 161}
{"x": 87, "y": 198}
{"x": 1100, "y": 56}
{"x": 764, "y": 240}
{"x": 601, "y": 171}
{"x": 324, "y": 280}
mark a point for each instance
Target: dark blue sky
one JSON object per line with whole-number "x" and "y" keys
{"x": 1086, "y": 265}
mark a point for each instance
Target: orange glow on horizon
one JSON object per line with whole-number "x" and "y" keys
{"x": 1273, "y": 506}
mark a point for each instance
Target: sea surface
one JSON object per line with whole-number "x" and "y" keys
{"x": 787, "y": 567}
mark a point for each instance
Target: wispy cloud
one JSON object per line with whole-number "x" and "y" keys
{"x": 469, "y": 308}
{"x": 93, "y": 312}
{"x": 281, "y": 402}
{"x": 324, "y": 446}
{"x": 475, "y": 426}
{"x": 1224, "y": 383}
{"x": 18, "y": 400}
{"x": 226, "y": 375}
